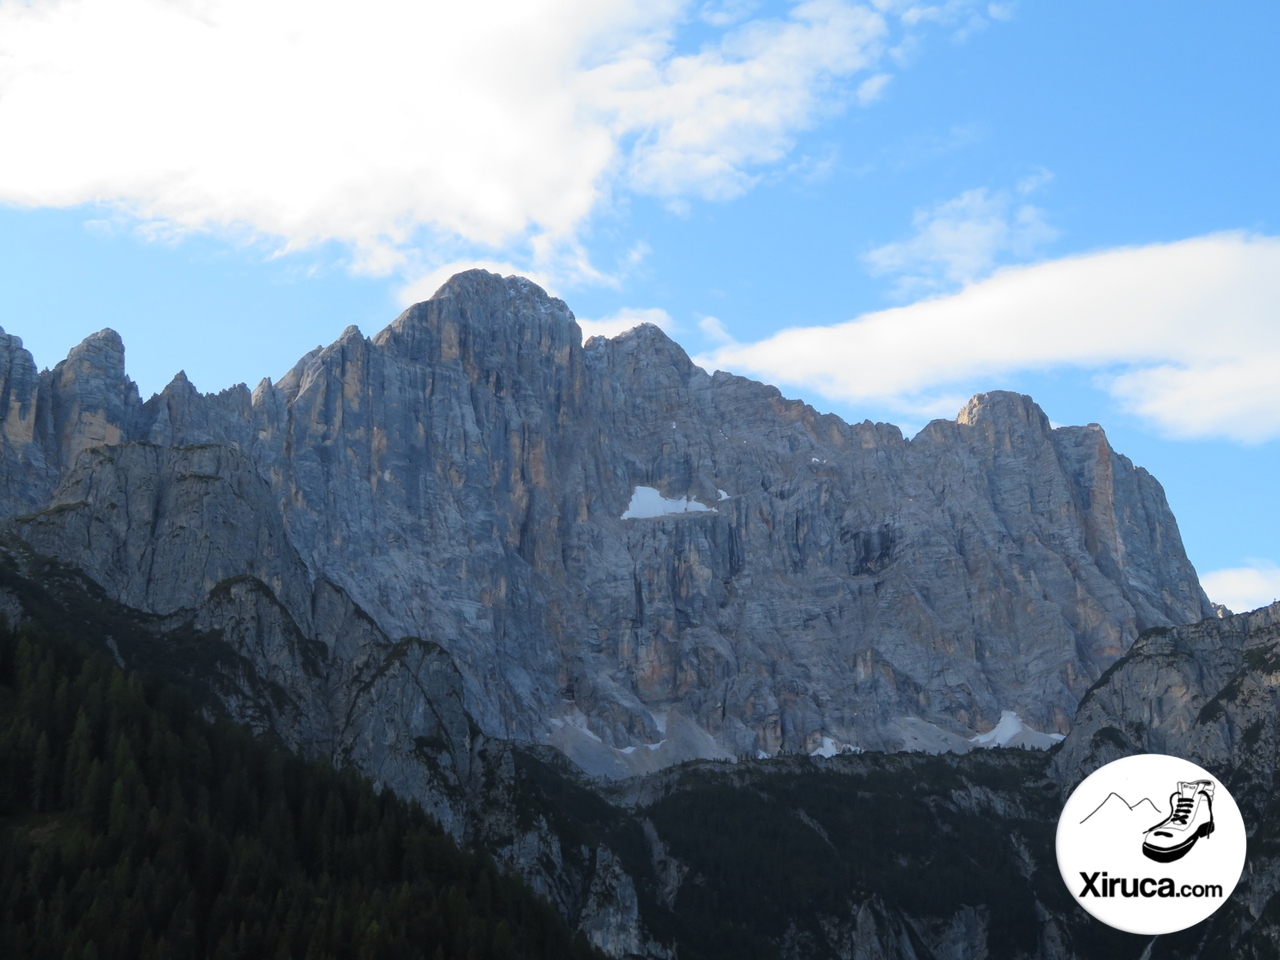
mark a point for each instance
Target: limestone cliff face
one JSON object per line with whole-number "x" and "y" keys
{"x": 463, "y": 476}
{"x": 27, "y": 474}
{"x": 193, "y": 535}
{"x": 160, "y": 527}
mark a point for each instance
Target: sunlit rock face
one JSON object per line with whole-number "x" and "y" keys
{"x": 1208, "y": 691}
{"x": 622, "y": 554}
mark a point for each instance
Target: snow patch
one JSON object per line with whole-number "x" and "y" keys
{"x": 723, "y": 494}
{"x": 1004, "y": 731}
{"x": 647, "y": 503}
{"x": 683, "y": 740}
{"x": 1012, "y": 732}
{"x": 578, "y": 720}
{"x": 921, "y": 736}
{"x": 828, "y": 748}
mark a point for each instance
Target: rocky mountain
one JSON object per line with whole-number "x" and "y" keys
{"x": 852, "y": 856}
{"x": 620, "y": 554}
{"x": 460, "y": 551}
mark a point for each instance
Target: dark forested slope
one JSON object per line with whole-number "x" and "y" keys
{"x": 132, "y": 827}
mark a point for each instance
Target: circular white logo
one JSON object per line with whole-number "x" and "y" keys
{"x": 1151, "y": 844}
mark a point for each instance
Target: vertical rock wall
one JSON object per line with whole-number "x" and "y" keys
{"x": 462, "y": 477}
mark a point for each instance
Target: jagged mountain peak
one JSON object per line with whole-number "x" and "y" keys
{"x": 642, "y": 336}
{"x": 102, "y": 351}
{"x": 644, "y": 350}
{"x": 10, "y": 341}
{"x": 496, "y": 328}
{"x": 497, "y": 296}
{"x": 1005, "y": 410}
{"x": 180, "y": 383}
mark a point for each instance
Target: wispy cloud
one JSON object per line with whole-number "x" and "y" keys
{"x": 415, "y": 134}
{"x": 714, "y": 330}
{"x": 702, "y": 123}
{"x": 1184, "y": 335}
{"x": 967, "y": 18}
{"x": 871, "y": 89}
{"x": 963, "y": 239}
{"x": 724, "y": 13}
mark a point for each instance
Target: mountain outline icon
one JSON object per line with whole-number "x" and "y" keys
{"x": 1143, "y": 806}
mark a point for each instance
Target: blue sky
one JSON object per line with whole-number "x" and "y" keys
{"x": 1077, "y": 201}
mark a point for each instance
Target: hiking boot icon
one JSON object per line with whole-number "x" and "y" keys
{"x": 1190, "y": 818}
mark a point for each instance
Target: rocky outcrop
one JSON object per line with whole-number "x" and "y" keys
{"x": 92, "y": 402}
{"x": 462, "y": 477}
{"x": 160, "y": 527}
{"x": 193, "y": 537}
{"x": 1209, "y": 692}
{"x": 25, "y": 472}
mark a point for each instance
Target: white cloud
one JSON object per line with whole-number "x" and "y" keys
{"x": 416, "y": 134}
{"x": 727, "y": 12}
{"x": 623, "y": 320}
{"x": 635, "y": 256}
{"x": 871, "y": 88}
{"x": 305, "y": 121}
{"x": 962, "y": 239}
{"x": 1242, "y": 589}
{"x": 949, "y": 12}
{"x": 713, "y": 329}
{"x": 1034, "y": 181}
{"x": 1186, "y": 335}
{"x": 703, "y": 121}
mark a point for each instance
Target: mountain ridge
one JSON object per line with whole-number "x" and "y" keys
{"x": 462, "y": 475}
